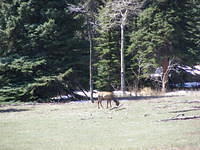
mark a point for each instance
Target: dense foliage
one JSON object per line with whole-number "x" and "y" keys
{"x": 44, "y": 45}
{"x": 41, "y": 41}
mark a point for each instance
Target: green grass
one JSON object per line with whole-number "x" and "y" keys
{"x": 135, "y": 125}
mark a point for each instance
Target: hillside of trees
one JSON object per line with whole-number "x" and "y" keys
{"x": 55, "y": 47}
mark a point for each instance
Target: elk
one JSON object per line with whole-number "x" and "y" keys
{"x": 106, "y": 96}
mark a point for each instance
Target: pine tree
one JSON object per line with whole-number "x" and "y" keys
{"x": 141, "y": 49}
{"x": 108, "y": 62}
{"x": 163, "y": 32}
{"x": 41, "y": 40}
{"x": 189, "y": 13}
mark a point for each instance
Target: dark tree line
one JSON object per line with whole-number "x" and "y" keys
{"x": 45, "y": 46}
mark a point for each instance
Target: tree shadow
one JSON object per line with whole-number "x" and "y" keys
{"x": 13, "y": 110}
{"x": 142, "y": 97}
{"x": 182, "y": 118}
{"x": 187, "y": 110}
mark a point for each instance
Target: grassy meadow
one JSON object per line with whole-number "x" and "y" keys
{"x": 143, "y": 123}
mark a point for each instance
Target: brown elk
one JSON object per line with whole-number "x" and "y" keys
{"x": 106, "y": 96}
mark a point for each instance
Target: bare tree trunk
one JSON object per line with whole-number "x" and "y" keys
{"x": 122, "y": 60}
{"x": 91, "y": 76}
{"x": 90, "y": 65}
{"x": 164, "y": 82}
{"x": 165, "y": 66}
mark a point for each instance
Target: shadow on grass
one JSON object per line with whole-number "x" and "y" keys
{"x": 182, "y": 118}
{"x": 132, "y": 98}
{"x": 187, "y": 110}
{"x": 13, "y": 110}
{"x": 142, "y": 97}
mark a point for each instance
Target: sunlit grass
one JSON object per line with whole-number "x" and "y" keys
{"x": 135, "y": 125}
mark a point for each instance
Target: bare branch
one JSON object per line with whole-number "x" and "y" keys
{"x": 118, "y": 11}
{"x": 75, "y": 9}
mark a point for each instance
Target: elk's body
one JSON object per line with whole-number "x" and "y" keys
{"x": 106, "y": 96}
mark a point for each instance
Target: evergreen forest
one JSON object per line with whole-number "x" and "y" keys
{"x": 56, "y": 47}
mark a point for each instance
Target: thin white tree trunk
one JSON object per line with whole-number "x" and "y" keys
{"x": 166, "y": 69}
{"x": 122, "y": 60}
{"x": 164, "y": 82}
{"x": 90, "y": 65}
{"x": 91, "y": 76}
